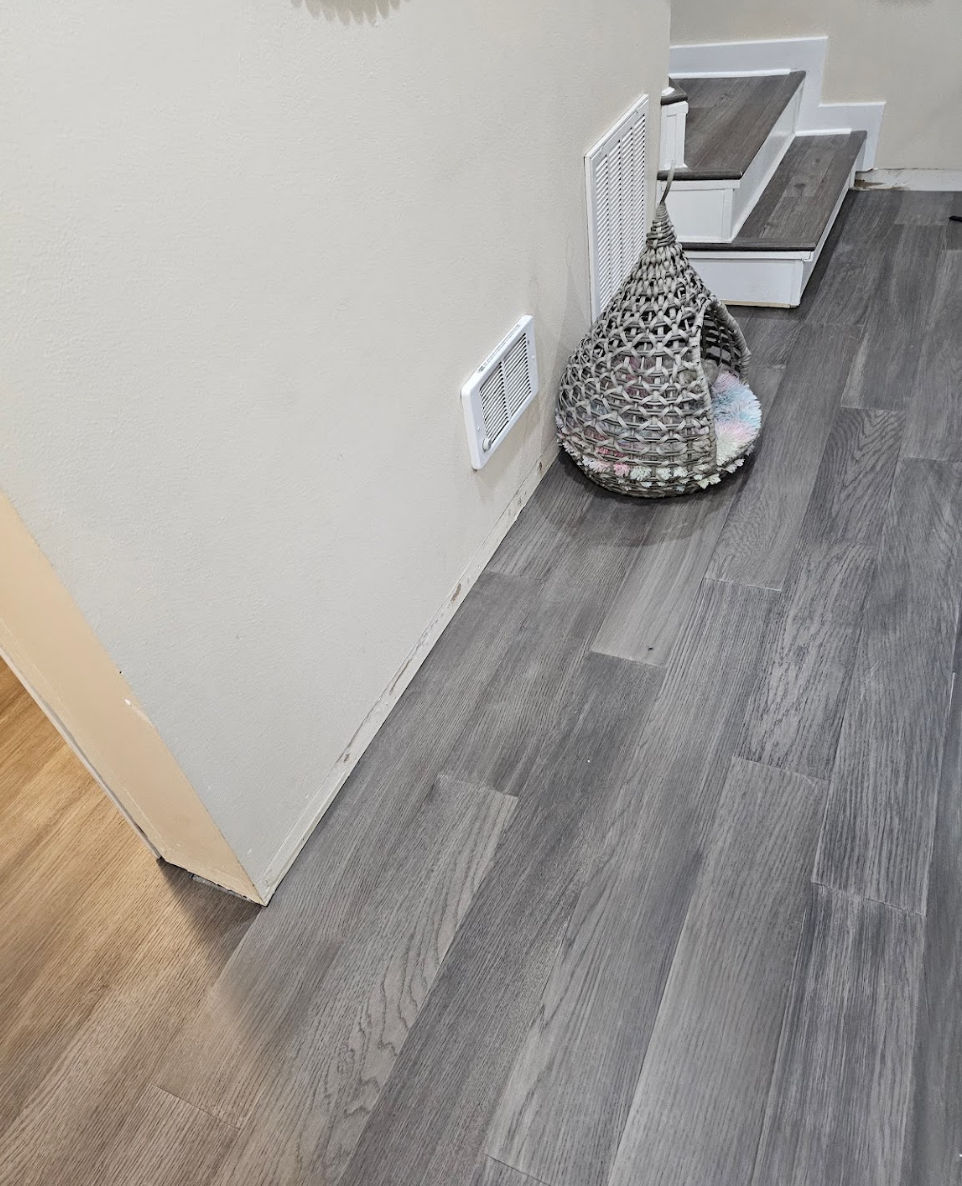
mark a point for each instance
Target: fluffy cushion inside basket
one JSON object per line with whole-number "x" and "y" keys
{"x": 737, "y": 415}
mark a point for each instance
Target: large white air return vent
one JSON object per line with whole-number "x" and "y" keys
{"x": 617, "y": 203}
{"x": 500, "y": 390}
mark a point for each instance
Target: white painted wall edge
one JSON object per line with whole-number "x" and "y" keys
{"x": 776, "y": 56}
{"x": 69, "y": 738}
{"x": 942, "y": 180}
{"x": 60, "y": 661}
{"x": 314, "y": 812}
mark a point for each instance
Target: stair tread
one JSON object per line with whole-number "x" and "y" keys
{"x": 729, "y": 119}
{"x": 796, "y": 207}
{"x": 673, "y": 94}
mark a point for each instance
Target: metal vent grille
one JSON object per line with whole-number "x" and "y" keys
{"x": 499, "y": 391}
{"x": 616, "y": 172}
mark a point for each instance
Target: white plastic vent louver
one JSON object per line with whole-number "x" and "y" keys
{"x": 617, "y": 203}
{"x": 500, "y": 390}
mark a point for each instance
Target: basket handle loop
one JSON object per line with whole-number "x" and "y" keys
{"x": 667, "y": 189}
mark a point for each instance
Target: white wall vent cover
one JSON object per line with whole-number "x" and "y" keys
{"x": 616, "y": 172}
{"x": 500, "y": 390}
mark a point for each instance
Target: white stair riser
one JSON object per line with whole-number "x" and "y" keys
{"x": 673, "y": 120}
{"x": 761, "y": 277}
{"x": 701, "y": 211}
{"x": 713, "y": 211}
{"x": 752, "y": 277}
{"x": 766, "y": 161}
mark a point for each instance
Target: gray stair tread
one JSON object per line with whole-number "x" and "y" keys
{"x": 796, "y": 207}
{"x": 729, "y": 119}
{"x": 675, "y": 94}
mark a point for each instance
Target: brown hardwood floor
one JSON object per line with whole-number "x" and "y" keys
{"x": 104, "y": 954}
{"x": 654, "y": 876}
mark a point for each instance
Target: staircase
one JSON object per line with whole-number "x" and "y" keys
{"x": 761, "y": 165}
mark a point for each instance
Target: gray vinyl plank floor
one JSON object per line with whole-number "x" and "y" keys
{"x": 760, "y": 532}
{"x": 890, "y": 350}
{"x": 846, "y": 277}
{"x": 877, "y": 835}
{"x": 626, "y": 922}
{"x": 841, "y": 1087}
{"x": 430, "y": 1122}
{"x": 794, "y": 718}
{"x": 700, "y": 1101}
{"x": 653, "y": 875}
{"x": 934, "y": 428}
{"x": 933, "y": 1139}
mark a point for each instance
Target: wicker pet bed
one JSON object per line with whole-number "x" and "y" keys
{"x": 635, "y": 409}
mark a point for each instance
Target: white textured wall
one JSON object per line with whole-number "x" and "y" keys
{"x": 250, "y": 252}
{"x": 907, "y": 52}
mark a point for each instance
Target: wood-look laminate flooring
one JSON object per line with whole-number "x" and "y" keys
{"x": 654, "y": 876}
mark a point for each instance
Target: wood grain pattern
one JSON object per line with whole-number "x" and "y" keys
{"x": 923, "y": 208}
{"x": 73, "y": 1116}
{"x": 308, "y": 1120}
{"x": 546, "y": 525}
{"x": 500, "y": 744}
{"x": 699, "y": 1105}
{"x": 564, "y": 1107}
{"x": 654, "y": 602}
{"x": 761, "y": 531}
{"x": 729, "y": 120}
{"x": 842, "y": 1080}
{"x": 883, "y": 375}
{"x": 795, "y": 714}
{"x": 165, "y": 1142}
{"x": 842, "y": 287}
{"x": 796, "y": 207}
{"x": 430, "y": 1121}
{"x": 496, "y": 1173}
{"x": 771, "y": 335}
{"x": 934, "y": 427}
{"x": 86, "y": 909}
{"x": 766, "y": 382}
{"x": 851, "y": 495}
{"x": 233, "y": 1046}
{"x": 933, "y": 1141}
{"x": 877, "y": 835}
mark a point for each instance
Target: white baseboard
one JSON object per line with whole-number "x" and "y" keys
{"x": 776, "y": 57}
{"x": 852, "y": 117}
{"x": 300, "y": 833}
{"x": 920, "y": 179}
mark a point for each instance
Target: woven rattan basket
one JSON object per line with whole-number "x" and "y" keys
{"x": 635, "y": 406}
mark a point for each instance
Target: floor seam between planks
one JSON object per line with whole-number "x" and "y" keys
{"x": 856, "y": 897}
{"x": 237, "y": 1127}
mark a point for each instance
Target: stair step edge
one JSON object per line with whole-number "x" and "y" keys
{"x": 729, "y": 120}
{"x": 754, "y": 237}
